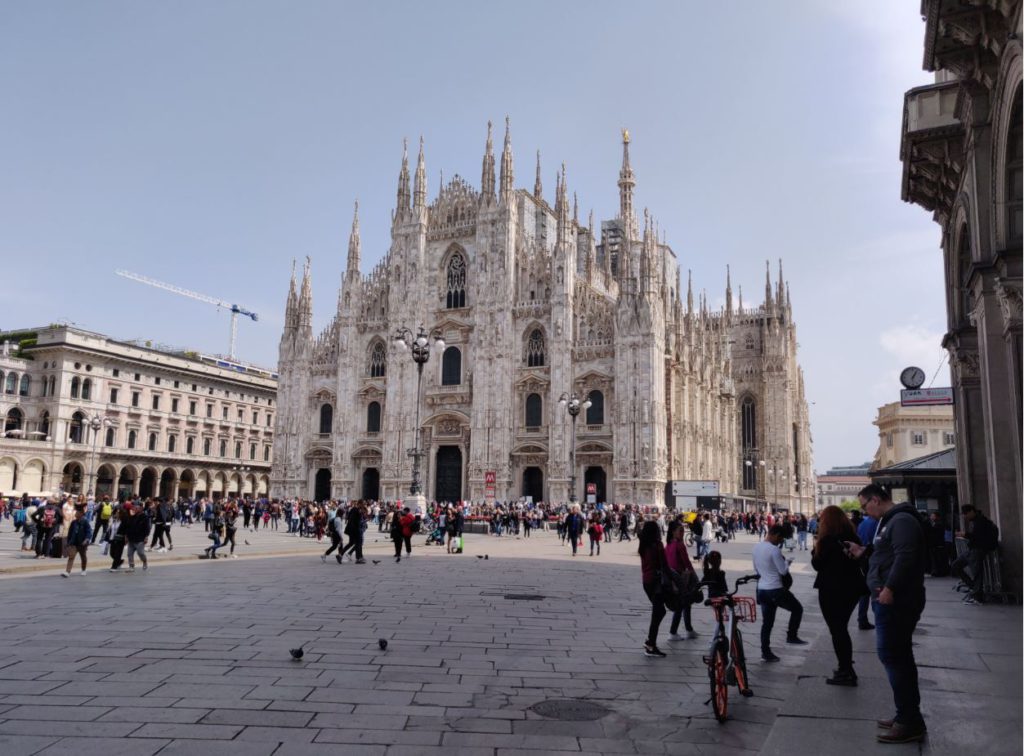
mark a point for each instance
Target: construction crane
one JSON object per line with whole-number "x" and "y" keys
{"x": 236, "y": 310}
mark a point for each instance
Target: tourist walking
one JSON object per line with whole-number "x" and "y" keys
{"x": 773, "y": 593}
{"x": 354, "y": 525}
{"x": 678, "y": 561}
{"x": 78, "y": 541}
{"x": 653, "y": 566}
{"x": 574, "y": 526}
{"x": 115, "y": 536}
{"x": 135, "y": 528}
{"x": 840, "y": 584}
{"x": 896, "y": 564}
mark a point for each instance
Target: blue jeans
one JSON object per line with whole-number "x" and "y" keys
{"x": 894, "y": 631}
{"x": 771, "y": 601}
{"x": 801, "y": 539}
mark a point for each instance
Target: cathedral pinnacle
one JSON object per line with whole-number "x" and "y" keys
{"x": 538, "y": 188}
{"x": 780, "y": 297}
{"x": 689, "y": 292}
{"x": 506, "y": 163}
{"x": 420, "y": 190}
{"x": 487, "y": 175}
{"x": 728, "y": 290}
{"x": 305, "y": 309}
{"x": 354, "y": 246}
{"x": 402, "y": 202}
{"x": 626, "y": 183}
{"x": 769, "y": 305}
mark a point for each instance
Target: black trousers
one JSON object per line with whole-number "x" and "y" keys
{"x": 117, "y": 552}
{"x": 335, "y": 542}
{"x": 837, "y": 608}
{"x": 658, "y": 612}
{"x": 772, "y": 600}
{"x": 355, "y": 544}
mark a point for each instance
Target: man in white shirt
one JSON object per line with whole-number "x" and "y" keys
{"x": 772, "y": 593}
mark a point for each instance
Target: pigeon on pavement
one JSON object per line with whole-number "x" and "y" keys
{"x": 383, "y": 644}
{"x": 296, "y": 653}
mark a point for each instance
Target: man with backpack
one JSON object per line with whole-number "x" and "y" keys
{"x": 48, "y": 519}
{"x": 104, "y": 511}
{"x": 897, "y": 559}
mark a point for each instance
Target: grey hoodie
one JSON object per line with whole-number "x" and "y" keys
{"x": 899, "y": 554}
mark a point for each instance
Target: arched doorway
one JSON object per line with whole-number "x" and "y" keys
{"x": 105, "y": 481}
{"x": 126, "y": 483}
{"x": 167, "y": 484}
{"x": 371, "y": 484}
{"x": 448, "y": 475}
{"x": 147, "y": 483}
{"x": 322, "y": 485}
{"x": 595, "y": 475}
{"x": 533, "y": 483}
{"x": 72, "y": 478}
{"x": 187, "y": 484}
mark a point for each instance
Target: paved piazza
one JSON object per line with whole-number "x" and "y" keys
{"x": 191, "y": 657}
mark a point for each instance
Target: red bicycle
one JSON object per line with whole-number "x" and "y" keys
{"x": 727, "y": 664}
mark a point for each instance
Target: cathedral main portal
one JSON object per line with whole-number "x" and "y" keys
{"x": 448, "y": 474}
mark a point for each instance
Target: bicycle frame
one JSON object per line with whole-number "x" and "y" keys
{"x": 726, "y": 662}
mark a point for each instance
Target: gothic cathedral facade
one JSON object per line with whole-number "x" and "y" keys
{"x": 532, "y": 305}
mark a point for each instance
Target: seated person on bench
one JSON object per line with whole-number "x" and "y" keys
{"x": 982, "y": 538}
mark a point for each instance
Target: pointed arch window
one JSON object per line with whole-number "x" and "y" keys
{"x": 87, "y": 389}
{"x": 326, "y": 419}
{"x": 595, "y": 412}
{"x": 26, "y": 386}
{"x": 109, "y": 440}
{"x": 12, "y": 383}
{"x": 1015, "y": 173}
{"x": 534, "y": 411}
{"x": 456, "y": 282}
{"x": 373, "y": 417}
{"x": 378, "y": 360}
{"x": 152, "y": 442}
{"x": 535, "y": 349}
{"x": 75, "y": 387}
{"x": 190, "y": 445}
{"x": 132, "y": 438}
{"x": 451, "y": 367}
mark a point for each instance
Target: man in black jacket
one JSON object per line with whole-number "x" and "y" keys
{"x": 135, "y": 528}
{"x": 896, "y": 564}
{"x": 982, "y": 538}
{"x": 48, "y": 520}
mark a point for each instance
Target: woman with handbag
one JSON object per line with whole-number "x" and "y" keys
{"x": 655, "y": 573}
{"x": 840, "y": 585}
{"x": 686, "y": 580}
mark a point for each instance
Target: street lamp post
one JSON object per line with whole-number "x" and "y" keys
{"x": 96, "y": 423}
{"x": 241, "y": 470}
{"x": 573, "y": 404}
{"x": 419, "y": 345}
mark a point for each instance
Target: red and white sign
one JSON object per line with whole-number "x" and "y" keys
{"x": 926, "y": 397}
{"x": 591, "y": 488}
{"x": 489, "y": 479}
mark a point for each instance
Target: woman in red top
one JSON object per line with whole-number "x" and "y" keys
{"x": 679, "y": 562}
{"x": 653, "y": 565}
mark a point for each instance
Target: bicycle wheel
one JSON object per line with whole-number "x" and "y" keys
{"x": 739, "y": 663}
{"x": 719, "y": 685}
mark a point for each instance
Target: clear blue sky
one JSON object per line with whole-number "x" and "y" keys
{"x": 208, "y": 143}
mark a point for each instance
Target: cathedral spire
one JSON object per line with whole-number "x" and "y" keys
{"x": 741, "y": 300}
{"x": 291, "y": 306}
{"x": 575, "y": 210}
{"x": 420, "y": 191}
{"x": 354, "y": 246}
{"x": 780, "y": 296}
{"x": 487, "y": 174}
{"x": 506, "y": 163}
{"x": 689, "y": 292}
{"x": 538, "y": 187}
{"x": 769, "y": 305}
{"x": 626, "y": 183}
{"x": 789, "y": 302}
{"x": 305, "y": 308}
{"x": 402, "y": 201}
{"x": 728, "y": 290}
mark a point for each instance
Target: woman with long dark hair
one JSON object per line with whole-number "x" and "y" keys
{"x": 679, "y": 562}
{"x": 653, "y": 565}
{"x": 840, "y": 585}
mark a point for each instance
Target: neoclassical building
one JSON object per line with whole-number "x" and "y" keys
{"x": 963, "y": 161}
{"x": 84, "y": 412}
{"x": 532, "y": 304}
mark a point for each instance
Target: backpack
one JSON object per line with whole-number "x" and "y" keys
{"x": 49, "y": 517}
{"x": 106, "y": 511}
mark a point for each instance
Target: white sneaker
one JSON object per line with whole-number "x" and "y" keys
{"x": 83, "y": 573}
{"x": 691, "y": 634}
{"x": 675, "y": 637}
{"x": 131, "y": 569}
{"x": 323, "y": 559}
{"x": 65, "y": 574}
{"x": 234, "y": 556}
{"x": 145, "y": 566}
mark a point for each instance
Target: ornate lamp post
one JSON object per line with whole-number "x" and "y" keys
{"x": 573, "y": 404}
{"x": 96, "y": 423}
{"x": 419, "y": 345}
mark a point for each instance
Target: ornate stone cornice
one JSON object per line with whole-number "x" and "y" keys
{"x": 1008, "y": 294}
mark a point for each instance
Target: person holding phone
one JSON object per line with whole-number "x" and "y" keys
{"x": 840, "y": 584}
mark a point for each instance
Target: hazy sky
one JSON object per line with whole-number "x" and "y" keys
{"x": 206, "y": 144}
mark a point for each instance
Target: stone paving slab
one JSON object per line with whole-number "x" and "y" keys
{"x": 191, "y": 658}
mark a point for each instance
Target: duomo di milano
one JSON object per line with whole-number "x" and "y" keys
{"x": 533, "y": 304}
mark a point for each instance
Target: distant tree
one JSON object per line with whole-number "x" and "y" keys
{"x": 850, "y": 505}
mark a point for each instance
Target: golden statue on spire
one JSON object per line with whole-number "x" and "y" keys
{"x": 625, "y": 136}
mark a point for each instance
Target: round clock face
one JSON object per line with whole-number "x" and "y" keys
{"x": 912, "y": 377}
